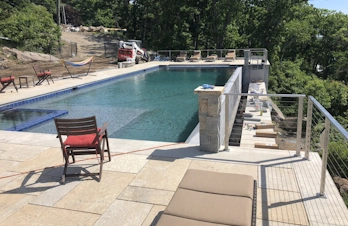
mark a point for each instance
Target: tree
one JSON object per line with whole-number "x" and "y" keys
{"x": 32, "y": 28}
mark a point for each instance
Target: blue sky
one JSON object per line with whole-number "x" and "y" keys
{"x": 338, "y": 5}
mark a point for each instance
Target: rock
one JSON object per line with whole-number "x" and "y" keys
{"x": 3, "y": 63}
{"x": 104, "y": 30}
{"x": 341, "y": 184}
{"x": 91, "y": 29}
{"x": 29, "y": 56}
{"x": 83, "y": 28}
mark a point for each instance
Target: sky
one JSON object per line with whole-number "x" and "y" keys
{"x": 338, "y": 5}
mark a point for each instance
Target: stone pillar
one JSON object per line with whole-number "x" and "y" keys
{"x": 209, "y": 113}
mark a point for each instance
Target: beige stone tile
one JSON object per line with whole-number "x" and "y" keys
{"x": 6, "y": 165}
{"x": 162, "y": 173}
{"x": 93, "y": 196}
{"x": 272, "y": 223}
{"x": 278, "y": 178}
{"x": 10, "y": 203}
{"x": 41, "y": 215}
{"x": 46, "y": 159}
{"x": 124, "y": 145}
{"x": 33, "y": 139}
{"x": 171, "y": 150}
{"x": 225, "y": 167}
{"x": 127, "y": 163}
{"x": 146, "y": 195}
{"x": 124, "y": 213}
{"x": 154, "y": 215}
{"x": 31, "y": 183}
{"x": 81, "y": 166}
{"x": 6, "y": 177}
{"x": 20, "y": 152}
{"x": 281, "y": 206}
{"x": 51, "y": 196}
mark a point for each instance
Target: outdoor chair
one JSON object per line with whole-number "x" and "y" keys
{"x": 182, "y": 57}
{"x": 212, "y": 58}
{"x": 212, "y": 198}
{"x": 196, "y": 56}
{"x": 6, "y": 81}
{"x": 82, "y": 137}
{"x": 231, "y": 55}
{"x": 42, "y": 74}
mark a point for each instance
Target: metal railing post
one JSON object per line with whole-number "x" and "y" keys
{"x": 299, "y": 126}
{"x": 170, "y": 54}
{"x": 325, "y": 155}
{"x": 308, "y": 128}
{"x": 227, "y": 100}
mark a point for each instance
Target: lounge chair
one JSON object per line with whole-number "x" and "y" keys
{"x": 211, "y": 198}
{"x": 231, "y": 55}
{"x": 82, "y": 137}
{"x": 42, "y": 75}
{"x": 196, "y": 56}
{"x": 6, "y": 81}
{"x": 182, "y": 57}
{"x": 212, "y": 58}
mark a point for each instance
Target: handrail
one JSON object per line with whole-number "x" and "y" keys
{"x": 334, "y": 122}
{"x": 265, "y": 95}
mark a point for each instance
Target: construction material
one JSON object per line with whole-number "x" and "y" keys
{"x": 252, "y": 119}
{"x": 264, "y": 126}
{"x": 267, "y": 146}
{"x": 266, "y": 134}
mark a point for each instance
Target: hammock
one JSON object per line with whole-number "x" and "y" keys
{"x": 78, "y": 64}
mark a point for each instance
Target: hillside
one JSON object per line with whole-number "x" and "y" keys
{"x": 88, "y": 44}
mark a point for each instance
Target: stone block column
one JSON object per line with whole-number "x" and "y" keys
{"x": 209, "y": 113}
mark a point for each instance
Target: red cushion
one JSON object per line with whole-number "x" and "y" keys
{"x": 48, "y": 72}
{"x": 7, "y": 79}
{"x": 87, "y": 140}
{"x": 41, "y": 74}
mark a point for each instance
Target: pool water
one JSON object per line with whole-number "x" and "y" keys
{"x": 160, "y": 105}
{"x": 20, "y": 119}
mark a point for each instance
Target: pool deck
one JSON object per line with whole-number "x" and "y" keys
{"x": 143, "y": 175}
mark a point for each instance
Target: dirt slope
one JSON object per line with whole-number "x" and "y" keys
{"x": 87, "y": 45}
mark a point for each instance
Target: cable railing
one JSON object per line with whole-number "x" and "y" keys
{"x": 258, "y": 55}
{"x": 282, "y": 111}
{"x": 327, "y": 137}
{"x": 319, "y": 132}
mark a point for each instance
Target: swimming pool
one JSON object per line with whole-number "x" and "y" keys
{"x": 158, "y": 105}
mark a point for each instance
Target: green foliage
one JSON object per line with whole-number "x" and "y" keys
{"x": 338, "y": 158}
{"x": 31, "y": 27}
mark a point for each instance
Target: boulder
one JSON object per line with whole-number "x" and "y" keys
{"x": 3, "y": 63}
{"x": 29, "y": 56}
{"x": 341, "y": 184}
{"x": 104, "y": 30}
{"x": 83, "y": 28}
{"x": 92, "y": 29}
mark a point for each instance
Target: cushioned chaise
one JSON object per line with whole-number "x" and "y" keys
{"x": 212, "y": 199}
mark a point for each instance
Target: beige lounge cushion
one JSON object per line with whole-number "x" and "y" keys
{"x": 218, "y": 183}
{"x": 169, "y": 220}
{"x": 212, "y": 208}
